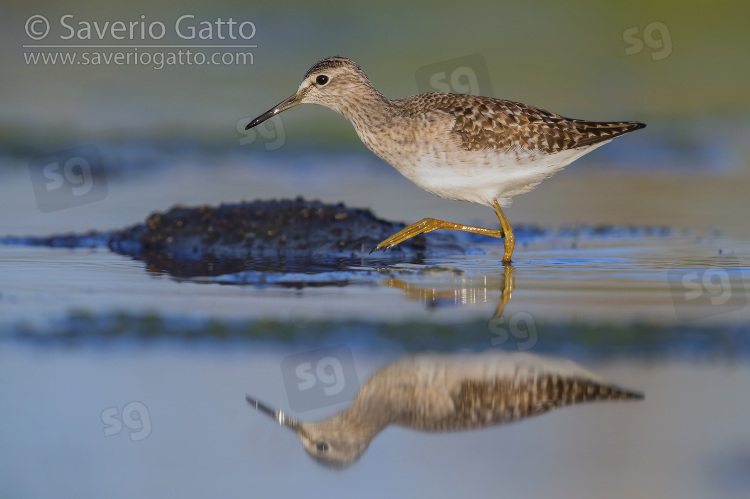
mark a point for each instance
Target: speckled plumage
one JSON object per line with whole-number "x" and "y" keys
{"x": 439, "y": 393}
{"x": 487, "y": 123}
{"x": 463, "y": 147}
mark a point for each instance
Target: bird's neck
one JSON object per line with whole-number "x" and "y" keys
{"x": 373, "y": 419}
{"x": 368, "y": 109}
{"x": 362, "y": 420}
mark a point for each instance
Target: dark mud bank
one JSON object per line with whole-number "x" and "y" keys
{"x": 275, "y": 235}
{"x": 288, "y": 236}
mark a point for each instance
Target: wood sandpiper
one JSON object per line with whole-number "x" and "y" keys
{"x": 440, "y": 393}
{"x": 462, "y": 147}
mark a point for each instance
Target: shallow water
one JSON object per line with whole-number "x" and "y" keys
{"x": 616, "y": 284}
{"x": 121, "y": 379}
{"x": 139, "y": 377}
{"x": 202, "y": 439}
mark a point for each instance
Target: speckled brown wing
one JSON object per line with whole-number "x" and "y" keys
{"x": 480, "y": 404}
{"x": 487, "y": 123}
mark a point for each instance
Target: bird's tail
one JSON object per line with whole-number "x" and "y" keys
{"x": 582, "y": 390}
{"x": 599, "y": 131}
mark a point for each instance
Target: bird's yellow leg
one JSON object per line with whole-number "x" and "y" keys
{"x": 428, "y": 225}
{"x": 510, "y": 239}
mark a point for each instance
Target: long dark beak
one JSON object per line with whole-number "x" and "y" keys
{"x": 289, "y": 103}
{"x": 279, "y": 416}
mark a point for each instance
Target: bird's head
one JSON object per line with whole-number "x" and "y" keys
{"x": 336, "y": 83}
{"x": 331, "y": 442}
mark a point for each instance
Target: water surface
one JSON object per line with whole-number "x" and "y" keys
{"x": 138, "y": 375}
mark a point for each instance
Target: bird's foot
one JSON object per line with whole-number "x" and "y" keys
{"x": 421, "y": 227}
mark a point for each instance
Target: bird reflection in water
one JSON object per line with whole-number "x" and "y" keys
{"x": 441, "y": 393}
{"x": 469, "y": 291}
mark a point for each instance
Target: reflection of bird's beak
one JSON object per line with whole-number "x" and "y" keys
{"x": 289, "y": 103}
{"x": 277, "y": 415}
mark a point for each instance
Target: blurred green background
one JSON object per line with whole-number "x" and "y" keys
{"x": 568, "y": 57}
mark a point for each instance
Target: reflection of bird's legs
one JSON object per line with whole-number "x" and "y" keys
{"x": 508, "y": 283}
{"x": 429, "y": 296}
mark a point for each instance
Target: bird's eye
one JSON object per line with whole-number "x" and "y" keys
{"x": 321, "y": 446}
{"x": 321, "y": 80}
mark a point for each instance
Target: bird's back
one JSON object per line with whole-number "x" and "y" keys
{"x": 445, "y": 393}
{"x": 489, "y": 123}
